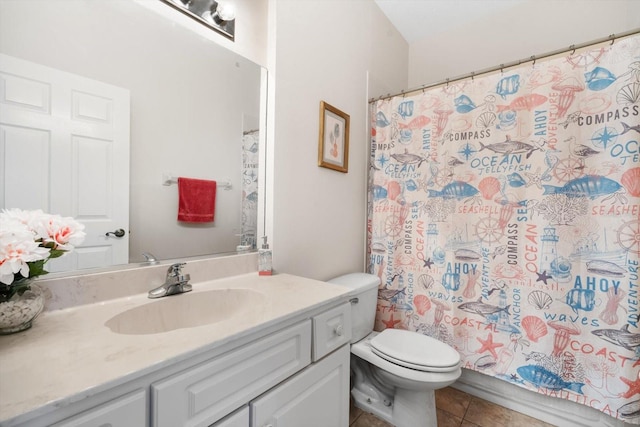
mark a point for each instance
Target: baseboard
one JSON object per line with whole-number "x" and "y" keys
{"x": 558, "y": 412}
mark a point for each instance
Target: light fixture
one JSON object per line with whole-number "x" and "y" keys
{"x": 224, "y": 12}
{"x": 217, "y": 15}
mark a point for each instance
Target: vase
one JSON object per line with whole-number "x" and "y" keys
{"x": 18, "y": 313}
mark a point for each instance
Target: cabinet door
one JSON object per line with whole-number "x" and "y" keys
{"x": 315, "y": 397}
{"x": 126, "y": 411}
{"x": 206, "y": 393}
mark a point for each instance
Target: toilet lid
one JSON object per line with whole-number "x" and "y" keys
{"x": 414, "y": 350}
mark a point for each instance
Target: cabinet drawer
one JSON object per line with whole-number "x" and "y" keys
{"x": 128, "y": 410}
{"x": 205, "y": 393}
{"x": 331, "y": 329}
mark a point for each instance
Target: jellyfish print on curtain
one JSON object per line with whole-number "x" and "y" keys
{"x": 504, "y": 220}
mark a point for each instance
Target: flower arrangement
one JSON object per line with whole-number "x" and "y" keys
{"x": 28, "y": 239}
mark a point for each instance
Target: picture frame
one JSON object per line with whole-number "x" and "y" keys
{"x": 333, "y": 146}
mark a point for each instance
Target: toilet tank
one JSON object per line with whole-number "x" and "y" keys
{"x": 364, "y": 297}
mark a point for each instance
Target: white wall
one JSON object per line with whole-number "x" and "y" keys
{"x": 324, "y": 50}
{"x": 531, "y": 28}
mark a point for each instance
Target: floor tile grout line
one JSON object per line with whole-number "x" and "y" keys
{"x": 464, "y": 416}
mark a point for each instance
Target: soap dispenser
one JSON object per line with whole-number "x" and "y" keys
{"x": 264, "y": 259}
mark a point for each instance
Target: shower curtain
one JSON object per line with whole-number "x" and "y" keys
{"x": 504, "y": 220}
{"x": 250, "y": 162}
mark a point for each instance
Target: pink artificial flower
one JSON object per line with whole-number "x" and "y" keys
{"x": 30, "y": 236}
{"x": 65, "y": 233}
{"x": 17, "y": 249}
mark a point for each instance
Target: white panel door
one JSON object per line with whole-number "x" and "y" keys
{"x": 64, "y": 148}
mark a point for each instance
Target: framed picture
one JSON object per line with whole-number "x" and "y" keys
{"x": 333, "y": 148}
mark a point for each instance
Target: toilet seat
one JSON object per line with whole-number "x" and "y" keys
{"x": 415, "y": 351}
{"x": 363, "y": 350}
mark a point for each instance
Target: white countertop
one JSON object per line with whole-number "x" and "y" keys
{"x": 69, "y": 354}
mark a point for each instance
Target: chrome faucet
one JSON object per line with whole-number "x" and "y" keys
{"x": 175, "y": 283}
{"x": 149, "y": 257}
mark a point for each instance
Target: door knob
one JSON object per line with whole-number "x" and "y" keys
{"x": 118, "y": 233}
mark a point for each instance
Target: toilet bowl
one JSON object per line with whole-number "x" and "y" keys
{"x": 401, "y": 389}
{"x": 394, "y": 373}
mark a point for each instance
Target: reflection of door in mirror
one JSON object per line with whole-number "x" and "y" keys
{"x": 65, "y": 145}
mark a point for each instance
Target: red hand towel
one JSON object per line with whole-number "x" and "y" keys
{"x": 197, "y": 200}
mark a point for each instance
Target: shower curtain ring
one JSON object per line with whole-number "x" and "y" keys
{"x": 613, "y": 38}
{"x": 447, "y": 82}
{"x": 501, "y": 68}
{"x": 533, "y": 58}
{"x": 573, "y": 49}
{"x": 473, "y": 73}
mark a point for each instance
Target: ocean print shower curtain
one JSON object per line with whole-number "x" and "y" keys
{"x": 250, "y": 168}
{"x": 504, "y": 220}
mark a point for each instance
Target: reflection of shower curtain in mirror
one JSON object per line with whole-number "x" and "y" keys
{"x": 249, "y": 189}
{"x": 504, "y": 220}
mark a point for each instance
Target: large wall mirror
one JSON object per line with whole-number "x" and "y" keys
{"x": 80, "y": 80}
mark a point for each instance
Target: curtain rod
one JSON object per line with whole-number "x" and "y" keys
{"x": 612, "y": 38}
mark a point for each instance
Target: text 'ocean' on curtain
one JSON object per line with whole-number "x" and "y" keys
{"x": 504, "y": 220}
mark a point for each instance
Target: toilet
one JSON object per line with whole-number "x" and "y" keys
{"x": 394, "y": 373}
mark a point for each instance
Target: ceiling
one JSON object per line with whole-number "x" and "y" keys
{"x": 419, "y": 19}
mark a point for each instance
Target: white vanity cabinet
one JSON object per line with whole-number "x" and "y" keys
{"x": 316, "y": 396}
{"x": 290, "y": 372}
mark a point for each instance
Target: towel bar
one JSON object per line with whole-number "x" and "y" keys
{"x": 168, "y": 179}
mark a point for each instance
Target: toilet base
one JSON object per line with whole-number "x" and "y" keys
{"x": 398, "y": 406}
{"x": 372, "y": 405}
{"x": 410, "y": 408}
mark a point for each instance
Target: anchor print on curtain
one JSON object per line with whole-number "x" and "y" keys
{"x": 504, "y": 220}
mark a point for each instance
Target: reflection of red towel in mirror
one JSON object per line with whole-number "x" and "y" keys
{"x": 197, "y": 200}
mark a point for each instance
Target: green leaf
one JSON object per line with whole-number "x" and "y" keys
{"x": 36, "y": 268}
{"x": 56, "y": 253}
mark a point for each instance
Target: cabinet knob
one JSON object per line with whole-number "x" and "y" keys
{"x": 338, "y": 330}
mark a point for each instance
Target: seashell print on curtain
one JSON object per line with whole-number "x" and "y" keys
{"x": 504, "y": 220}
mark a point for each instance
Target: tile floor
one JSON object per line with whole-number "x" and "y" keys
{"x": 456, "y": 408}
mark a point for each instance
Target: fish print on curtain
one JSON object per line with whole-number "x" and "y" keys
{"x": 504, "y": 220}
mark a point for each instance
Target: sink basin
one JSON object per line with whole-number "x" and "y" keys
{"x": 186, "y": 310}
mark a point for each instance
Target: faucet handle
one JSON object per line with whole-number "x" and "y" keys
{"x": 176, "y": 269}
